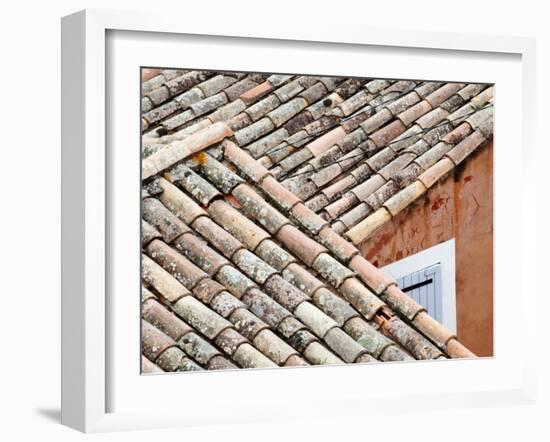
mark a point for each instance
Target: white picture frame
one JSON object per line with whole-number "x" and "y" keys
{"x": 89, "y": 321}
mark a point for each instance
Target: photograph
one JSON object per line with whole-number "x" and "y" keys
{"x": 293, "y": 220}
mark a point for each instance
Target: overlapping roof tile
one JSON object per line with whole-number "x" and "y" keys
{"x": 257, "y": 189}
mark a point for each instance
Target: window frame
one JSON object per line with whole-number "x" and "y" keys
{"x": 443, "y": 254}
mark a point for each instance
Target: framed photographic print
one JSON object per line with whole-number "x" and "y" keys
{"x": 288, "y": 222}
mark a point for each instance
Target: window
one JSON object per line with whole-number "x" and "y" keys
{"x": 429, "y": 278}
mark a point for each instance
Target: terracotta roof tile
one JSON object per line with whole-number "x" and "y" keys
{"x": 146, "y": 294}
{"x": 274, "y": 255}
{"x": 273, "y": 347}
{"x": 343, "y": 345}
{"x": 215, "y": 84}
{"x": 173, "y": 262}
{"x": 336, "y": 189}
{"x": 341, "y": 248}
{"x": 376, "y": 280}
{"x": 234, "y": 280}
{"x": 364, "y": 189}
{"x": 227, "y": 244}
{"x": 413, "y": 113}
{"x": 200, "y": 317}
{"x": 401, "y": 302}
{"x": 483, "y": 98}
{"x": 433, "y": 155}
{"x": 433, "y": 329}
{"x": 196, "y": 251}
{"x": 414, "y": 342}
{"x": 237, "y": 224}
{"x": 332, "y": 270}
{"x": 246, "y": 323}
{"x": 148, "y": 233}
{"x": 220, "y": 363}
{"x": 189, "y": 97}
{"x": 207, "y": 289}
{"x": 147, "y": 74}
{"x": 252, "y": 266}
{"x": 153, "y": 341}
{"x": 323, "y": 106}
{"x": 154, "y": 275}
{"x": 208, "y": 104}
{"x": 162, "y": 219}
{"x": 470, "y": 91}
{"x": 348, "y": 200}
{"x": 237, "y": 89}
{"x": 315, "y": 319}
{"x": 365, "y": 228}
{"x": 302, "y": 279}
{"x": 282, "y": 196}
{"x": 254, "y": 131}
{"x": 457, "y": 134}
{"x": 225, "y": 304}
{"x": 296, "y": 123}
{"x": 393, "y": 353}
{"x": 248, "y": 357}
{"x": 375, "y": 86}
{"x": 383, "y": 136}
{"x": 265, "y": 307}
{"x": 244, "y": 162}
{"x": 456, "y": 350}
{"x": 179, "y": 150}
{"x": 155, "y": 314}
{"x": 186, "y": 81}
{"x": 443, "y": 93}
{"x": 427, "y": 88}
{"x": 264, "y": 144}
{"x": 365, "y": 301}
{"x": 257, "y": 208}
{"x": 314, "y": 92}
{"x": 324, "y": 142}
{"x": 198, "y": 348}
{"x": 466, "y": 147}
{"x": 262, "y": 107}
{"x": 229, "y": 339}
{"x": 374, "y": 342}
{"x": 432, "y": 118}
{"x": 376, "y": 199}
{"x": 149, "y": 367}
{"x": 482, "y": 121}
{"x": 284, "y": 292}
{"x": 317, "y": 354}
{"x": 174, "y": 359}
{"x": 254, "y": 94}
{"x": 404, "y": 197}
{"x": 376, "y": 121}
{"x": 295, "y": 361}
{"x": 434, "y": 135}
{"x": 307, "y": 218}
{"x": 286, "y": 111}
{"x": 403, "y": 103}
{"x": 289, "y": 90}
{"x": 334, "y": 306}
{"x": 299, "y": 243}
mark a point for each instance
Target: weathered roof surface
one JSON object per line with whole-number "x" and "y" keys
{"x": 256, "y": 188}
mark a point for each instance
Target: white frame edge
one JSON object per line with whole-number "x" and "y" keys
{"x": 83, "y": 192}
{"x": 444, "y": 254}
